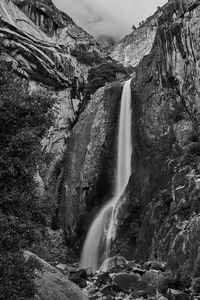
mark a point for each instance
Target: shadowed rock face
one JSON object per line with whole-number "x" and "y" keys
{"x": 159, "y": 211}
{"x": 89, "y": 165}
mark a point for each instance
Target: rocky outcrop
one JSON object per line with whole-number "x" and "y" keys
{"x": 51, "y": 283}
{"x": 38, "y": 40}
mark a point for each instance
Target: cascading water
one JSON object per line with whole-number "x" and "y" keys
{"x": 97, "y": 245}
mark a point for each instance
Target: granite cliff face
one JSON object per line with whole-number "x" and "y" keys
{"x": 159, "y": 212}
{"x": 38, "y": 38}
{"x": 131, "y": 49}
{"x": 45, "y": 46}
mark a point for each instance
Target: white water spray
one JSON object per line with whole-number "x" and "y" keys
{"x": 97, "y": 245}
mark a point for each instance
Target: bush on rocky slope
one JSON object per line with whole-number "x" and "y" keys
{"x": 24, "y": 119}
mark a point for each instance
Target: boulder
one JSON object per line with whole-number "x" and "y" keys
{"x": 52, "y": 284}
{"x": 124, "y": 280}
{"x": 152, "y": 278}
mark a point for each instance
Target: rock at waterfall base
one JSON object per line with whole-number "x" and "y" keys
{"x": 52, "y": 284}
{"x": 124, "y": 280}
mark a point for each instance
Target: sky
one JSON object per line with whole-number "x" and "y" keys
{"x": 108, "y": 17}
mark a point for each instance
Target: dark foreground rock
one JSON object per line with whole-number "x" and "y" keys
{"x": 52, "y": 284}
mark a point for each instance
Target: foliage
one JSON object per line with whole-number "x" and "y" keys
{"x": 24, "y": 120}
{"x": 86, "y": 57}
{"x": 17, "y": 274}
{"x": 99, "y": 75}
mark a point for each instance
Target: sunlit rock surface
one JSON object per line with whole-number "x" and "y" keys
{"x": 131, "y": 49}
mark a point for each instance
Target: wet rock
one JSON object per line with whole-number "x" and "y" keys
{"x": 52, "y": 284}
{"x": 177, "y": 295}
{"x": 125, "y": 281}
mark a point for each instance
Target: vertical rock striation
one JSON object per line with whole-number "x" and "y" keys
{"x": 159, "y": 212}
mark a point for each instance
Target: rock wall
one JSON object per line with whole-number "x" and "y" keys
{"x": 159, "y": 213}
{"x": 89, "y": 161}
{"x": 38, "y": 41}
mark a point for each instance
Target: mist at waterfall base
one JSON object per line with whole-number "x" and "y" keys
{"x": 97, "y": 245}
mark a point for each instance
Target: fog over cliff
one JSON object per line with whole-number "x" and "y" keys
{"x": 109, "y": 17}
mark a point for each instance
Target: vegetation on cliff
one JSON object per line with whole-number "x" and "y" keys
{"x": 24, "y": 120}
{"x": 86, "y": 57}
{"x": 103, "y": 73}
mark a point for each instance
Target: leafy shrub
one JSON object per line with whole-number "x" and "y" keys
{"x": 16, "y": 279}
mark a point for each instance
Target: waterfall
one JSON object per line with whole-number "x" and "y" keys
{"x": 98, "y": 241}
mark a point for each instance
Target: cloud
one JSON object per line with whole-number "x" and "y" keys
{"x": 108, "y": 17}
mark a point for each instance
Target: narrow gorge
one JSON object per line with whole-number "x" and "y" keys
{"x": 119, "y": 158}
